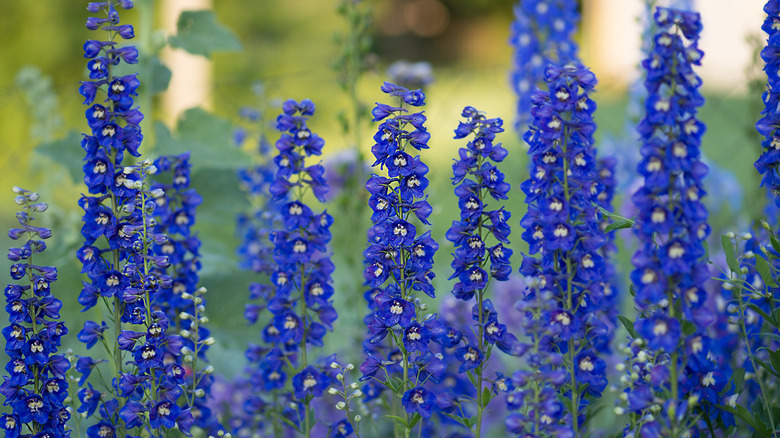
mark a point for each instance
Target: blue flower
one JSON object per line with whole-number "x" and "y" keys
{"x": 35, "y": 387}
{"x": 562, "y": 225}
{"x": 541, "y": 34}
{"x": 419, "y": 400}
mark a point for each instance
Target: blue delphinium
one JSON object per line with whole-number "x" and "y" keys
{"x": 399, "y": 262}
{"x": 480, "y": 258}
{"x": 36, "y": 386}
{"x": 671, "y": 225}
{"x": 562, "y": 226}
{"x": 123, "y": 271}
{"x": 541, "y": 34}
{"x": 182, "y": 301}
{"x": 300, "y": 303}
{"x": 769, "y": 124}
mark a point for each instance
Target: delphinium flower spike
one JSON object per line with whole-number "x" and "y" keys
{"x": 255, "y": 253}
{"x": 768, "y": 164}
{"x": 301, "y": 304}
{"x": 672, "y": 375}
{"x": 480, "y": 256}
{"x": 398, "y": 263}
{"x": 36, "y": 387}
{"x": 182, "y": 300}
{"x": 540, "y": 34}
{"x": 141, "y": 391}
{"x": 566, "y": 287}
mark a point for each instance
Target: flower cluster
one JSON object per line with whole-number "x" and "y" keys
{"x": 769, "y": 125}
{"x": 118, "y": 258}
{"x": 562, "y": 226}
{"x": 477, "y": 180}
{"x": 541, "y": 34}
{"x": 399, "y": 261}
{"x": 671, "y": 226}
{"x": 182, "y": 300}
{"x": 300, "y": 302}
{"x": 35, "y": 388}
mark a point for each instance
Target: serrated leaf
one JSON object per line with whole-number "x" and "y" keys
{"x": 199, "y": 33}
{"x": 205, "y": 136}
{"x": 618, "y": 225}
{"x": 629, "y": 325}
{"x": 728, "y": 249}
{"x": 66, "y": 152}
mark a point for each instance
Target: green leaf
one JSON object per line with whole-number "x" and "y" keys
{"x": 618, "y": 225}
{"x": 161, "y": 76}
{"x": 774, "y": 241}
{"x": 66, "y": 152}
{"x": 629, "y": 325}
{"x": 737, "y": 377}
{"x": 706, "y": 249}
{"x": 415, "y": 419}
{"x": 741, "y": 412}
{"x": 400, "y": 421}
{"x": 199, "y": 33}
{"x": 774, "y": 357}
{"x": 765, "y": 271}
{"x": 688, "y": 328}
{"x": 487, "y": 395}
{"x": 765, "y": 366}
{"x": 206, "y": 136}
{"x": 763, "y": 314}
{"x": 731, "y": 259}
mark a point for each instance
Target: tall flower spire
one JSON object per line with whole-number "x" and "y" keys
{"x": 671, "y": 225}
{"x": 399, "y": 261}
{"x": 475, "y": 263}
{"x": 566, "y": 287}
{"x": 540, "y": 34}
{"x": 142, "y": 390}
{"x": 36, "y": 387}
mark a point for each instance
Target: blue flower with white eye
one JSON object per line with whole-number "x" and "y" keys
{"x": 540, "y": 34}
{"x": 566, "y": 278}
{"x": 419, "y": 400}
{"x": 34, "y": 387}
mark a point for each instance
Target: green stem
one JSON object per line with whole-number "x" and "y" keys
{"x": 569, "y": 304}
{"x": 764, "y": 392}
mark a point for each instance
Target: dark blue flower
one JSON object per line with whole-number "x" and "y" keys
{"x": 419, "y": 401}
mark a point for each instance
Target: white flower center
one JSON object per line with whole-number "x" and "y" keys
{"x": 586, "y": 364}
{"x": 676, "y": 251}
{"x": 563, "y": 318}
{"x": 660, "y": 328}
{"x": 648, "y": 276}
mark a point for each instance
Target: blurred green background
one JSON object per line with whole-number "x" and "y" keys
{"x": 290, "y": 47}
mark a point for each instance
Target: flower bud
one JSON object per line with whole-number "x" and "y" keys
{"x": 341, "y": 405}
